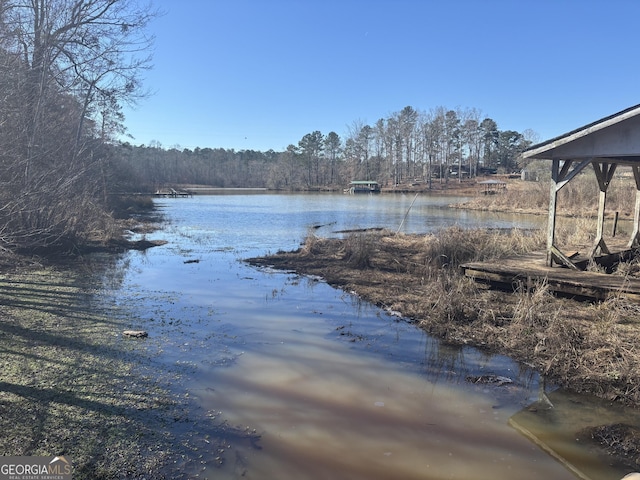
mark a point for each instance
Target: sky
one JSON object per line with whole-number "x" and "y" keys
{"x": 261, "y": 74}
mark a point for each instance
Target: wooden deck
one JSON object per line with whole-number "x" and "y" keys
{"x": 527, "y": 269}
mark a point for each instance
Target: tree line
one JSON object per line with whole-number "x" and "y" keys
{"x": 66, "y": 69}
{"x": 408, "y": 146}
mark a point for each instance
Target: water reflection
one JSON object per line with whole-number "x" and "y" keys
{"x": 325, "y": 413}
{"x": 564, "y": 431}
{"x": 334, "y": 387}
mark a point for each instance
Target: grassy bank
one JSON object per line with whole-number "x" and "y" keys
{"x": 584, "y": 346}
{"x": 71, "y": 385}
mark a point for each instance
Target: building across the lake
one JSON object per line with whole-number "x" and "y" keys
{"x": 491, "y": 187}
{"x": 364, "y": 186}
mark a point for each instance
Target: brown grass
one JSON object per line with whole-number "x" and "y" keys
{"x": 579, "y": 198}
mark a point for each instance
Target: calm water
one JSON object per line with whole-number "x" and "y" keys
{"x": 336, "y": 388}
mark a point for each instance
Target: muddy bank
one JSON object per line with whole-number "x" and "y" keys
{"x": 585, "y": 347}
{"x": 582, "y": 346}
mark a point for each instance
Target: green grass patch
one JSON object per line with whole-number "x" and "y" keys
{"x": 71, "y": 385}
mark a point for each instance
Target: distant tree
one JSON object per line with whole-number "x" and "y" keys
{"x": 364, "y": 139}
{"x": 381, "y": 151}
{"x": 407, "y": 120}
{"x": 490, "y": 139}
{"x": 358, "y": 151}
{"x": 452, "y": 139}
{"x": 284, "y": 173}
{"x": 393, "y": 136}
{"x": 311, "y": 148}
{"x": 510, "y": 145}
{"x": 435, "y": 137}
{"x": 333, "y": 147}
{"x": 472, "y": 140}
{"x": 429, "y": 144}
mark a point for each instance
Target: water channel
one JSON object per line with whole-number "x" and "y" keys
{"x": 332, "y": 387}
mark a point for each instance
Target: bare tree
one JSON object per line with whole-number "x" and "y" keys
{"x": 407, "y": 120}
{"x": 472, "y": 139}
{"x": 74, "y": 62}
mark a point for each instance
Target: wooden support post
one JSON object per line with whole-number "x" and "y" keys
{"x": 559, "y": 178}
{"x": 604, "y": 173}
{"x": 553, "y": 201}
{"x": 633, "y": 241}
{"x": 599, "y": 245}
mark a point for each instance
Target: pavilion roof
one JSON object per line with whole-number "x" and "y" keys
{"x": 615, "y": 138}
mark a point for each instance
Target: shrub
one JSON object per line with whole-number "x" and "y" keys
{"x": 359, "y": 248}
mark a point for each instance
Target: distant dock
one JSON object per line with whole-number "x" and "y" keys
{"x": 172, "y": 193}
{"x": 223, "y": 190}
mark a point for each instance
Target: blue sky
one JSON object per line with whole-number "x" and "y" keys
{"x": 260, "y": 74}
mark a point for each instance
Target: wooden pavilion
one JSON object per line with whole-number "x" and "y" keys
{"x": 491, "y": 187}
{"x": 604, "y": 144}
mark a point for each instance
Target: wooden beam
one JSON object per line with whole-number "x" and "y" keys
{"x": 564, "y": 176}
{"x": 604, "y": 173}
{"x": 635, "y": 234}
{"x": 553, "y": 201}
{"x": 561, "y": 258}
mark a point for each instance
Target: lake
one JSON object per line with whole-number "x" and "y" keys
{"x": 315, "y": 383}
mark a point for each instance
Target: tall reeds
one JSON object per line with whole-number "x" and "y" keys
{"x": 578, "y": 198}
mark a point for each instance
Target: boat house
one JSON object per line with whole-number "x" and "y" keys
{"x": 491, "y": 187}
{"x": 364, "y": 186}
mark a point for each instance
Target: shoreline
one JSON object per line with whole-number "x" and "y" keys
{"x": 459, "y": 311}
{"x": 389, "y": 270}
{"x": 587, "y": 348}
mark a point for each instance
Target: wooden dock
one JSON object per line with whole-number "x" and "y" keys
{"x": 526, "y": 270}
{"x": 172, "y": 193}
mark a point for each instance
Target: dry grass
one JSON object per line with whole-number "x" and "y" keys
{"x": 628, "y": 269}
{"x": 534, "y": 200}
{"x": 578, "y": 198}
